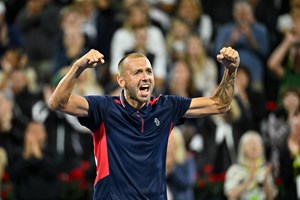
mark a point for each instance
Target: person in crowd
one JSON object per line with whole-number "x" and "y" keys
{"x": 205, "y": 69}
{"x": 181, "y": 167}
{"x": 284, "y": 61}
{"x": 38, "y": 22}
{"x": 72, "y": 42}
{"x": 34, "y": 168}
{"x": 88, "y": 9}
{"x": 250, "y": 177}
{"x": 176, "y": 39}
{"x": 251, "y": 103}
{"x": 249, "y": 37}
{"x": 12, "y": 60}
{"x": 278, "y": 124}
{"x": 130, "y": 131}
{"x": 123, "y": 41}
{"x": 290, "y": 161}
{"x": 284, "y": 21}
{"x": 181, "y": 81}
{"x": 200, "y": 23}
{"x": 11, "y": 126}
{"x": 140, "y": 43}
{"x": 65, "y": 135}
{"x": 18, "y": 79}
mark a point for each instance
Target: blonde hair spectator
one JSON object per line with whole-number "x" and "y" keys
{"x": 250, "y": 177}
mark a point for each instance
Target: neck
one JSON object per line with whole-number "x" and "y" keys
{"x": 134, "y": 103}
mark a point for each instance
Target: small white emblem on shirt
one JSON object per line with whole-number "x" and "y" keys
{"x": 157, "y": 122}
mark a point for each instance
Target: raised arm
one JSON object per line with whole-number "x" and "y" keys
{"x": 275, "y": 61}
{"x": 220, "y": 101}
{"x": 62, "y": 98}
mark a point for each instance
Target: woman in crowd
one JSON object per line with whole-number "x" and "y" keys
{"x": 250, "y": 177}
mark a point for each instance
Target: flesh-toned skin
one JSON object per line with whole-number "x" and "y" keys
{"x": 137, "y": 79}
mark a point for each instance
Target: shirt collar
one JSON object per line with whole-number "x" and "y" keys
{"x": 130, "y": 108}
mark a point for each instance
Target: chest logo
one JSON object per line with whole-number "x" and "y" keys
{"x": 157, "y": 122}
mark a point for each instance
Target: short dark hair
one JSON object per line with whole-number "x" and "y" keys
{"x": 131, "y": 55}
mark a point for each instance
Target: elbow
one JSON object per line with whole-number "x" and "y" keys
{"x": 51, "y": 103}
{"x": 225, "y": 109}
{"x": 272, "y": 65}
{"x": 54, "y": 104}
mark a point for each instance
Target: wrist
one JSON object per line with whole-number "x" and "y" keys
{"x": 77, "y": 69}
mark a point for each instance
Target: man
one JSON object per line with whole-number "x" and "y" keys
{"x": 130, "y": 132}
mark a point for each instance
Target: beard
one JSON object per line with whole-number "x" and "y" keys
{"x": 133, "y": 94}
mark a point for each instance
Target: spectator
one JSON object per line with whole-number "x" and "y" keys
{"x": 88, "y": 9}
{"x": 39, "y": 23}
{"x": 72, "y": 42}
{"x": 249, "y": 37}
{"x": 181, "y": 168}
{"x": 205, "y": 70}
{"x": 123, "y": 41}
{"x": 250, "y": 177}
{"x": 279, "y": 122}
{"x": 290, "y": 161}
{"x": 284, "y": 61}
{"x": 65, "y": 135}
{"x": 140, "y": 43}
{"x": 285, "y": 20}
{"x": 181, "y": 80}
{"x": 199, "y": 22}
{"x": 176, "y": 39}
{"x": 34, "y": 169}
{"x": 12, "y": 60}
{"x": 252, "y": 103}
{"x": 11, "y": 127}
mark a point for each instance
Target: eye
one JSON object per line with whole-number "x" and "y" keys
{"x": 149, "y": 71}
{"x": 137, "y": 72}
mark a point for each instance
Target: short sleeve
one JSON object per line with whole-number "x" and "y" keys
{"x": 97, "y": 108}
{"x": 179, "y": 107}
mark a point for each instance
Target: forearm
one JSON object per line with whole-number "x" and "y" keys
{"x": 63, "y": 91}
{"x": 225, "y": 91}
{"x": 276, "y": 59}
{"x": 268, "y": 190}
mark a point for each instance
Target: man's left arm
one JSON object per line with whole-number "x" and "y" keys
{"x": 220, "y": 101}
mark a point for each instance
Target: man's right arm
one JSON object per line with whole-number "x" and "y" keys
{"x": 62, "y": 98}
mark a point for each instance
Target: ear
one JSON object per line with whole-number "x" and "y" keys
{"x": 121, "y": 81}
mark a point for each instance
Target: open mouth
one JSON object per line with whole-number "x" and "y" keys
{"x": 145, "y": 88}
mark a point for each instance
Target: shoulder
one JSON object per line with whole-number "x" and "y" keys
{"x": 100, "y": 99}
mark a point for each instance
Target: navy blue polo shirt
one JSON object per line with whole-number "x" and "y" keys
{"x": 130, "y": 145}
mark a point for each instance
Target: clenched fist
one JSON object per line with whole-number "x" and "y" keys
{"x": 229, "y": 57}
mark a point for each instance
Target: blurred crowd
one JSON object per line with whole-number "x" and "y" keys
{"x": 250, "y": 152}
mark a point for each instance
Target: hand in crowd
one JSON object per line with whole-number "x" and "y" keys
{"x": 32, "y": 147}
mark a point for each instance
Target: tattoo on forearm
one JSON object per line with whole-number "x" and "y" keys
{"x": 224, "y": 93}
